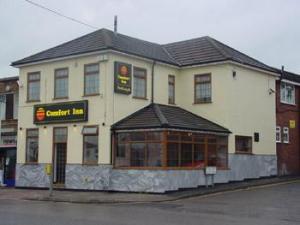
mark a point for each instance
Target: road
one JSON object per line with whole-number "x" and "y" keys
{"x": 279, "y": 204}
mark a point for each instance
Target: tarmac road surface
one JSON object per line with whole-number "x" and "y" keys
{"x": 277, "y": 204}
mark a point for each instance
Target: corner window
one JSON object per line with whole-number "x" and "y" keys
{"x": 202, "y": 89}
{"x": 90, "y": 145}
{"x": 287, "y": 93}
{"x": 171, "y": 89}
{"x": 33, "y": 86}
{"x": 32, "y": 145}
{"x": 278, "y": 134}
{"x": 61, "y": 83}
{"x": 91, "y": 79}
{"x": 139, "y": 83}
{"x": 285, "y": 135}
{"x": 243, "y": 144}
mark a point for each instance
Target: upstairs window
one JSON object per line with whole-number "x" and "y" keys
{"x": 286, "y": 136}
{"x": 278, "y": 134}
{"x": 139, "y": 83}
{"x": 287, "y": 93}
{"x": 171, "y": 89}
{"x": 243, "y": 144}
{"x": 33, "y": 86}
{"x": 91, "y": 79}
{"x": 61, "y": 83}
{"x": 202, "y": 88}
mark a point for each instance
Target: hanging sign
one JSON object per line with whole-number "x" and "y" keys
{"x": 292, "y": 124}
{"x": 122, "y": 83}
{"x": 62, "y": 112}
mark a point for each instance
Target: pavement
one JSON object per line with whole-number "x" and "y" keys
{"x": 104, "y": 197}
{"x": 272, "y": 204}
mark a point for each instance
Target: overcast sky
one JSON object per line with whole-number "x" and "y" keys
{"x": 268, "y": 30}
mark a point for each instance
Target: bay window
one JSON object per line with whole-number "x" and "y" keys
{"x": 170, "y": 149}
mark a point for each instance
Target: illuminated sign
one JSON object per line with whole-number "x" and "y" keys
{"x": 62, "y": 112}
{"x": 122, "y": 78}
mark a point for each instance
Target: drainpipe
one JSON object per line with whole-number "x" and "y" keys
{"x": 152, "y": 82}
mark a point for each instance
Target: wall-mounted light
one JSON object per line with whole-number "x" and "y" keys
{"x": 271, "y": 91}
{"x": 234, "y": 74}
{"x": 45, "y": 127}
{"x": 20, "y": 128}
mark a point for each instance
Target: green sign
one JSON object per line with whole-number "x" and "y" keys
{"x": 63, "y": 112}
{"x": 122, "y": 78}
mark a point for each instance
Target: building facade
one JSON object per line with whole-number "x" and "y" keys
{"x": 111, "y": 112}
{"x": 287, "y": 124}
{"x": 9, "y": 101}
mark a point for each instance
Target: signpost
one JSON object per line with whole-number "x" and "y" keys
{"x": 210, "y": 171}
{"x": 48, "y": 170}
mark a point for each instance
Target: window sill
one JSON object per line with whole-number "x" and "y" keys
{"x": 141, "y": 98}
{"x": 91, "y": 95}
{"x": 31, "y": 163}
{"x": 287, "y": 103}
{"x": 171, "y": 103}
{"x": 244, "y": 153}
{"x": 207, "y": 102}
{"x": 61, "y": 98}
{"x": 90, "y": 164}
{"x": 32, "y": 101}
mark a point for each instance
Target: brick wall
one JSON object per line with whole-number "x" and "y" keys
{"x": 288, "y": 154}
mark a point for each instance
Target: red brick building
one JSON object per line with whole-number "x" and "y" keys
{"x": 287, "y": 124}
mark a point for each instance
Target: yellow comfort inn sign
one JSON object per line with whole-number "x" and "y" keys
{"x": 61, "y": 112}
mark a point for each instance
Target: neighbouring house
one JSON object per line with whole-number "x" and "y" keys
{"x": 9, "y": 101}
{"x": 287, "y": 123}
{"x": 113, "y": 112}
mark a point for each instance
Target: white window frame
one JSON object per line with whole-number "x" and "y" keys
{"x": 278, "y": 131}
{"x": 284, "y": 93}
{"x": 286, "y": 132}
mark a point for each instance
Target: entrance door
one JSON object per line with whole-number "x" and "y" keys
{"x": 59, "y": 154}
{"x": 8, "y": 167}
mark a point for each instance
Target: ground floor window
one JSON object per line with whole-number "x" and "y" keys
{"x": 170, "y": 149}
{"x": 243, "y": 144}
{"x": 32, "y": 145}
{"x": 90, "y": 145}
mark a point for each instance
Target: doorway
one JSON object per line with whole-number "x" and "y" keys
{"x": 7, "y": 166}
{"x": 59, "y": 154}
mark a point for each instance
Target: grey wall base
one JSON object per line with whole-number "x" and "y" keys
{"x": 106, "y": 178}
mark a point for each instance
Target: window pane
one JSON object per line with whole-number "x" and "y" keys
{"x": 32, "y": 146}
{"x": 212, "y": 155}
{"x": 137, "y": 156}
{"x": 172, "y": 154}
{"x": 139, "y": 89}
{"x": 222, "y": 151}
{"x": 243, "y": 144}
{"x": 199, "y": 155}
{"x": 60, "y": 135}
{"x": 33, "y": 76}
{"x": 154, "y": 153}
{"x": 34, "y": 90}
{"x": 90, "y": 154}
{"x": 186, "y": 154}
{"x": 137, "y": 136}
{"x": 91, "y": 85}
{"x": 154, "y": 136}
{"x": 90, "y": 130}
{"x": 93, "y": 68}
{"x": 61, "y": 87}
{"x": 202, "y": 88}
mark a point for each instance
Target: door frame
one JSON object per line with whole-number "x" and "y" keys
{"x": 53, "y": 149}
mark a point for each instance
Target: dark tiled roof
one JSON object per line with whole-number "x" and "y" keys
{"x": 101, "y": 40}
{"x": 165, "y": 116}
{"x": 191, "y": 52}
{"x": 14, "y": 78}
{"x": 206, "y": 50}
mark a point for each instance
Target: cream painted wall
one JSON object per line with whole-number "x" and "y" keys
{"x": 242, "y": 105}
